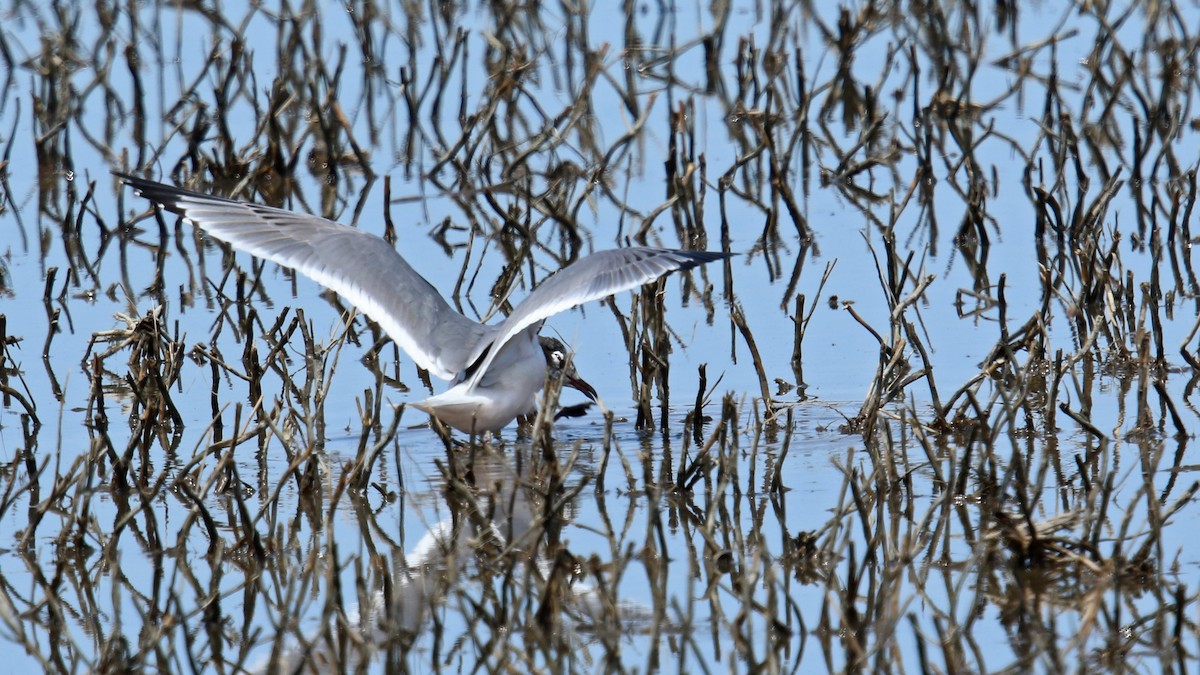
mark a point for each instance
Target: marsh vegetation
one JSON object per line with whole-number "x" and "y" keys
{"x": 936, "y": 415}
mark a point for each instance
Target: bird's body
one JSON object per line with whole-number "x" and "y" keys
{"x": 496, "y": 370}
{"x": 505, "y": 392}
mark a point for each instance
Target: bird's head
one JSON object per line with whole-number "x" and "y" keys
{"x": 560, "y": 365}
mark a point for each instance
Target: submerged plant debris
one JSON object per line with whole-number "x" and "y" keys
{"x": 935, "y": 416}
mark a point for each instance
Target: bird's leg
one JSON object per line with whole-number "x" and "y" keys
{"x": 525, "y": 425}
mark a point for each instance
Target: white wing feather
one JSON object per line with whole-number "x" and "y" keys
{"x": 360, "y": 266}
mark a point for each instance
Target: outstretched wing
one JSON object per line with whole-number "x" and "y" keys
{"x": 597, "y": 276}
{"x": 361, "y": 267}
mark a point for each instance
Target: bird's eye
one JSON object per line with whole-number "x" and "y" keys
{"x": 557, "y": 358}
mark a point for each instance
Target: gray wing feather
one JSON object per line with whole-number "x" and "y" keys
{"x": 359, "y": 266}
{"x": 597, "y": 276}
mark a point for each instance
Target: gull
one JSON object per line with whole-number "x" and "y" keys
{"x": 495, "y": 370}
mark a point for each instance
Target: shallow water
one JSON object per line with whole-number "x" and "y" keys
{"x": 1002, "y": 199}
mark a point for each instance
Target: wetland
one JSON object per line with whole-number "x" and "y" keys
{"x": 936, "y": 413}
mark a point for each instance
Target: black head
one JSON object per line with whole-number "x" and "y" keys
{"x": 559, "y": 364}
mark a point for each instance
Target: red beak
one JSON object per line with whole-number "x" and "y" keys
{"x": 578, "y": 384}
